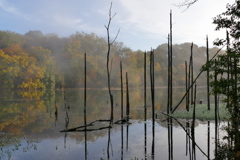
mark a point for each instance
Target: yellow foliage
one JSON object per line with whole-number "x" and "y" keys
{"x": 31, "y": 84}
{"x": 157, "y": 67}
{"x": 28, "y": 69}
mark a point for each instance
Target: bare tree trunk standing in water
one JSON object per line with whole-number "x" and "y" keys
{"x": 208, "y": 87}
{"x": 169, "y": 106}
{"x": 153, "y": 100}
{"x": 168, "y": 97}
{"x": 145, "y": 104}
{"x": 127, "y": 99}
{"x": 186, "y": 81}
{"x": 85, "y": 91}
{"x": 191, "y": 61}
{"x": 85, "y": 103}
{"x": 190, "y": 79}
{"x": 171, "y": 54}
{"x": 121, "y": 90}
{"x": 108, "y": 55}
{"x": 145, "y": 86}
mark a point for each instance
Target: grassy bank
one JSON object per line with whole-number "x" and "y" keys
{"x": 202, "y": 113}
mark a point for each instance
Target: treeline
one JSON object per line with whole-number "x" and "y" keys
{"x": 37, "y": 61}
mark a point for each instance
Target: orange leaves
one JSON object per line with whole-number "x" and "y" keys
{"x": 14, "y": 50}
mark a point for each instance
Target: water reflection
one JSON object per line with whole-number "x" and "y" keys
{"x": 26, "y": 119}
{"x": 188, "y": 148}
{"x": 109, "y": 143}
{"x": 145, "y": 140}
{"x": 121, "y": 141}
{"x": 170, "y": 139}
{"x": 56, "y": 113}
{"x": 66, "y": 125}
{"x": 127, "y": 137}
{"x": 208, "y": 139}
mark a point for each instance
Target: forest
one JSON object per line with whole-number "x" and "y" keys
{"x": 37, "y": 61}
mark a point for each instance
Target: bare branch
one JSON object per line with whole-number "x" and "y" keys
{"x": 186, "y": 3}
{"x": 108, "y": 25}
{"x": 115, "y": 37}
{"x": 113, "y": 16}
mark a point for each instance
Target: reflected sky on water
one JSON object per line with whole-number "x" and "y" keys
{"x": 30, "y": 126}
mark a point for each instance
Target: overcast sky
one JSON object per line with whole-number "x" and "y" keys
{"x": 143, "y": 23}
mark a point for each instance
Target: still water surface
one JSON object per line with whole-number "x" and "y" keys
{"x": 30, "y": 125}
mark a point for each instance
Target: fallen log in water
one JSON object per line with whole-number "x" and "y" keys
{"x": 79, "y": 129}
{"x": 89, "y": 130}
{"x": 122, "y": 121}
{"x": 90, "y": 124}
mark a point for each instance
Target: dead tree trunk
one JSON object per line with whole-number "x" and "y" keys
{"x": 186, "y": 80}
{"x": 145, "y": 87}
{"x": 121, "y": 90}
{"x": 171, "y": 54}
{"x": 168, "y": 97}
{"x": 191, "y": 62}
{"x": 109, "y": 43}
{"x": 85, "y": 92}
{"x": 153, "y": 99}
{"x": 85, "y": 103}
{"x": 189, "y": 79}
{"x": 127, "y": 99}
{"x": 152, "y": 84}
{"x": 145, "y": 104}
{"x": 208, "y": 85}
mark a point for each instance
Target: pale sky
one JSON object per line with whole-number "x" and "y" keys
{"x": 143, "y": 24}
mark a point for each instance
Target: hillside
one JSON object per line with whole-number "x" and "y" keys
{"x": 37, "y": 61}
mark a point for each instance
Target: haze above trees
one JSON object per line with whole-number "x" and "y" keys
{"x": 37, "y": 61}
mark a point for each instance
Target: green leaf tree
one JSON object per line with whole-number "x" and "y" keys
{"x": 226, "y": 69}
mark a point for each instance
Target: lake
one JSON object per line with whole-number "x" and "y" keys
{"x": 30, "y": 125}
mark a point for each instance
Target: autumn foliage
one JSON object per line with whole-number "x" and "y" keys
{"x": 36, "y": 61}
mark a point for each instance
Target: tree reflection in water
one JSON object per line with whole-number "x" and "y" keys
{"x": 27, "y": 120}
